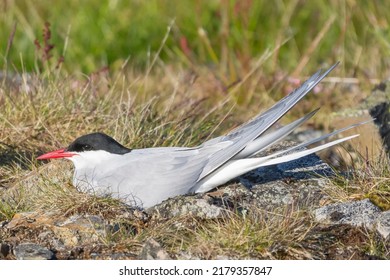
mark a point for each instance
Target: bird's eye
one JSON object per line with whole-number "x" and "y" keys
{"x": 79, "y": 147}
{"x": 86, "y": 147}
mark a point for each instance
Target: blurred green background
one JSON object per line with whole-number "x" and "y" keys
{"x": 224, "y": 34}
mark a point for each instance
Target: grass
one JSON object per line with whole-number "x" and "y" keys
{"x": 240, "y": 237}
{"x": 133, "y": 72}
{"x": 234, "y": 235}
{"x": 226, "y": 34}
{"x": 366, "y": 178}
{"x": 125, "y": 105}
{"x": 56, "y": 110}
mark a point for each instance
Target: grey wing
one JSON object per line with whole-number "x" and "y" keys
{"x": 249, "y": 131}
{"x": 147, "y": 177}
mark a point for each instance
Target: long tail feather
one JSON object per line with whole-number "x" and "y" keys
{"x": 241, "y": 166}
{"x": 318, "y": 139}
{"x": 303, "y": 153}
{"x": 271, "y": 138}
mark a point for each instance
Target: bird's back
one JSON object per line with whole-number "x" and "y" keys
{"x": 145, "y": 177}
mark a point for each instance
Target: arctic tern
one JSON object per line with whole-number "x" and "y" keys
{"x": 146, "y": 177}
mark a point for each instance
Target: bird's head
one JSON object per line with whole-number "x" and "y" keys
{"x": 88, "y": 143}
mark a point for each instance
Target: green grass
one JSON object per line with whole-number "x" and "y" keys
{"x": 151, "y": 74}
{"x": 226, "y": 34}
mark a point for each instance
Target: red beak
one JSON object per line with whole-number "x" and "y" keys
{"x": 57, "y": 154}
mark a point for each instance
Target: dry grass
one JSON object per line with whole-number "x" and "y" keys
{"x": 235, "y": 235}
{"x": 181, "y": 104}
{"x": 167, "y": 106}
{"x": 366, "y": 178}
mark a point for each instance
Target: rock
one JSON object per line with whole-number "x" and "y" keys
{"x": 28, "y": 219}
{"x": 183, "y": 255}
{"x": 225, "y": 257}
{"x": 378, "y": 104}
{"x": 383, "y": 224}
{"x": 63, "y": 231}
{"x": 355, "y": 213}
{"x": 31, "y": 251}
{"x": 298, "y": 183}
{"x": 308, "y": 167}
{"x": 4, "y": 250}
{"x": 79, "y": 229}
{"x": 152, "y": 250}
{"x": 200, "y": 208}
{"x": 302, "y": 193}
{"x": 194, "y": 206}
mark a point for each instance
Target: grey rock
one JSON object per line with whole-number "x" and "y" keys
{"x": 355, "y": 213}
{"x": 194, "y": 206}
{"x": 303, "y": 193}
{"x": 120, "y": 256}
{"x": 87, "y": 220}
{"x": 152, "y": 250}
{"x": 79, "y": 229}
{"x": 200, "y": 208}
{"x": 183, "y": 255}
{"x": 307, "y": 167}
{"x": 57, "y": 244}
{"x": 44, "y": 235}
{"x": 31, "y": 251}
{"x": 225, "y": 257}
{"x": 4, "y": 250}
{"x": 383, "y": 224}
{"x": 298, "y": 182}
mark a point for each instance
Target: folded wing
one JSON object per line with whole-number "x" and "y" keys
{"x": 246, "y": 133}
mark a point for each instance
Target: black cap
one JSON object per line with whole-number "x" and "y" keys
{"x": 96, "y": 142}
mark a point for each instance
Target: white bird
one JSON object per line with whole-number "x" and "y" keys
{"x": 146, "y": 177}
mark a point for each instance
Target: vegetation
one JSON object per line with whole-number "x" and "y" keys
{"x": 166, "y": 73}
